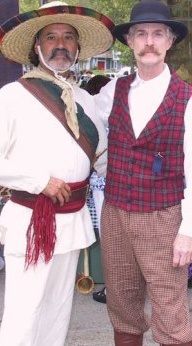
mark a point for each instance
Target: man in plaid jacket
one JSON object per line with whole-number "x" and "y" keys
{"x": 146, "y": 219}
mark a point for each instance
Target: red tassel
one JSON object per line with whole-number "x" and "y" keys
{"x": 41, "y": 233}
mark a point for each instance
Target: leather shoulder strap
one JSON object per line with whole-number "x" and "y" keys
{"x": 49, "y": 95}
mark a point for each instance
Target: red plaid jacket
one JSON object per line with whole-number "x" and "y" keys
{"x": 147, "y": 173}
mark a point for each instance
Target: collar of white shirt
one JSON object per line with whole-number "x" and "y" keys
{"x": 164, "y": 76}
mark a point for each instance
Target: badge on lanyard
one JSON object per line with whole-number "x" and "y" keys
{"x": 157, "y": 163}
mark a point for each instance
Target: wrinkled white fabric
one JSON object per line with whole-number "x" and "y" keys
{"x": 39, "y": 301}
{"x": 34, "y": 146}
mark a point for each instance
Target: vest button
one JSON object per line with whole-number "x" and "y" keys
{"x": 129, "y": 200}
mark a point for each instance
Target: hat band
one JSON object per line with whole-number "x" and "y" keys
{"x": 150, "y": 17}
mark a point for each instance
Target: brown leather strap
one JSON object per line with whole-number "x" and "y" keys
{"x": 56, "y": 107}
{"x": 79, "y": 194}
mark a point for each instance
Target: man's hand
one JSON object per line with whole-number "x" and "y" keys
{"x": 182, "y": 250}
{"x": 57, "y": 190}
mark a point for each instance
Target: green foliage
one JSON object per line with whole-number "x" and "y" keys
{"x": 119, "y": 12}
{"x": 28, "y": 5}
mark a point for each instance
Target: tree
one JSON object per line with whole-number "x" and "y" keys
{"x": 28, "y": 5}
{"x": 119, "y": 12}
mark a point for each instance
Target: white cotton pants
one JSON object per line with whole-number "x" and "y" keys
{"x": 38, "y": 301}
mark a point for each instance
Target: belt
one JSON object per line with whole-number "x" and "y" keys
{"x": 76, "y": 201}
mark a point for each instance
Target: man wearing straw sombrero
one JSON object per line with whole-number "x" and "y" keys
{"x": 146, "y": 228}
{"x": 50, "y": 139}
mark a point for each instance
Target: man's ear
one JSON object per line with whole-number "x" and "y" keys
{"x": 35, "y": 46}
{"x": 128, "y": 40}
{"x": 170, "y": 43}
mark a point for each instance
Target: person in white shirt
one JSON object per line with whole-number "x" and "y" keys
{"x": 50, "y": 137}
{"x": 97, "y": 184}
{"x": 146, "y": 227}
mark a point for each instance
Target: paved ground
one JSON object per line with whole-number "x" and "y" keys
{"x": 90, "y": 325}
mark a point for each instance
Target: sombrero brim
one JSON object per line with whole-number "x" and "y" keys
{"x": 17, "y": 35}
{"x": 178, "y": 28}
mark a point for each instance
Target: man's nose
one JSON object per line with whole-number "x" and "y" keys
{"x": 60, "y": 42}
{"x": 149, "y": 39}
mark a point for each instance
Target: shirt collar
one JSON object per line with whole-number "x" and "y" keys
{"x": 162, "y": 76}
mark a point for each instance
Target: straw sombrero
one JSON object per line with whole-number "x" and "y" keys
{"x": 95, "y": 30}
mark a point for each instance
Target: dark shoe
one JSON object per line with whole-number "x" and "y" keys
{"x": 100, "y": 296}
{"x": 126, "y": 339}
{"x": 190, "y": 283}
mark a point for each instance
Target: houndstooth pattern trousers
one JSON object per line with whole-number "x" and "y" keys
{"x": 137, "y": 255}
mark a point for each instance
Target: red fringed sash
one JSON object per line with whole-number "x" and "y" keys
{"x": 41, "y": 233}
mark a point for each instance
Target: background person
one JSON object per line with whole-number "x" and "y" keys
{"x": 49, "y": 137}
{"x": 97, "y": 184}
{"x": 146, "y": 235}
{"x": 85, "y": 78}
{"x": 4, "y": 196}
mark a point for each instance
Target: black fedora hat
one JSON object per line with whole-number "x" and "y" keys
{"x": 151, "y": 11}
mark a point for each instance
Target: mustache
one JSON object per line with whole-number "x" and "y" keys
{"x": 149, "y": 50}
{"x": 63, "y": 51}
